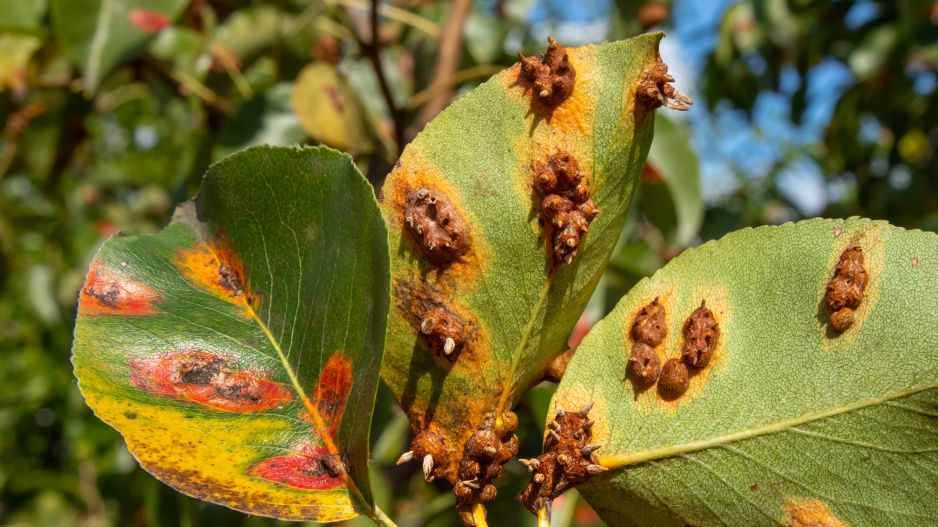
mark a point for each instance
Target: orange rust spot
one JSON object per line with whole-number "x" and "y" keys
{"x": 574, "y": 116}
{"x": 307, "y": 467}
{"x": 217, "y": 269}
{"x": 206, "y": 378}
{"x": 104, "y": 293}
{"x": 805, "y": 512}
{"x": 333, "y": 390}
{"x": 415, "y": 299}
{"x": 413, "y": 172}
{"x": 552, "y": 74}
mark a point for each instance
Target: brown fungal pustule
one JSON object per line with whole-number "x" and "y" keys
{"x": 444, "y": 331}
{"x": 569, "y": 459}
{"x": 649, "y": 325}
{"x": 644, "y": 365}
{"x": 551, "y": 72}
{"x": 654, "y": 90}
{"x": 566, "y": 210}
{"x": 845, "y": 290}
{"x": 229, "y": 279}
{"x": 428, "y": 449}
{"x": 437, "y": 225}
{"x": 701, "y": 332}
{"x": 674, "y": 379}
{"x": 483, "y": 456}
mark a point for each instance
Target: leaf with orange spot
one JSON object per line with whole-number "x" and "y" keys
{"x": 507, "y": 310}
{"x": 791, "y": 422}
{"x": 237, "y": 333}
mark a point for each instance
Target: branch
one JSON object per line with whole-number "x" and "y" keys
{"x": 372, "y": 51}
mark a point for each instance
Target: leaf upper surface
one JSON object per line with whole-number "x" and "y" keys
{"x": 238, "y": 350}
{"x": 791, "y": 422}
{"x": 482, "y": 154}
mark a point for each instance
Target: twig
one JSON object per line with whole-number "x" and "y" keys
{"x": 482, "y": 70}
{"x": 372, "y": 50}
{"x": 447, "y": 60}
{"x": 395, "y": 13}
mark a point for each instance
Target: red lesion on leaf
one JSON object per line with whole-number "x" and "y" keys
{"x": 206, "y": 378}
{"x": 217, "y": 269}
{"x": 306, "y": 467}
{"x": 105, "y": 293}
{"x": 332, "y": 391}
{"x": 148, "y": 21}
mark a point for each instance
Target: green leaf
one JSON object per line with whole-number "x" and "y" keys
{"x": 791, "y": 422}
{"x": 99, "y": 34}
{"x": 516, "y": 310}
{"x": 238, "y": 350}
{"x": 674, "y": 159}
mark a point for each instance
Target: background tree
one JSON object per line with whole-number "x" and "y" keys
{"x": 113, "y": 110}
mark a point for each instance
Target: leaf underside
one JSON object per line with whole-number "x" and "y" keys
{"x": 199, "y": 343}
{"x": 482, "y": 154}
{"x": 791, "y": 422}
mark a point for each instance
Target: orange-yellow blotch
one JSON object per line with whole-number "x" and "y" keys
{"x": 207, "y": 378}
{"x": 333, "y": 390}
{"x": 217, "y": 269}
{"x": 802, "y": 512}
{"x": 574, "y": 115}
{"x": 455, "y": 268}
{"x": 105, "y": 293}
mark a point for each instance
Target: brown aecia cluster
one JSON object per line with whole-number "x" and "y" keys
{"x": 569, "y": 459}
{"x": 437, "y": 225}
{"x": 845, "y": 290}
{"x": 566, "y": 210}
{"x": 701, "y": 332}
{"x": 429, "y": 449}
{"x": 483, "y": 456}
{"x": 443, "y": 330}
{"x": 649, "y": 328}
{"x": 654, "y": 91}
{"x": 551, "y": 72}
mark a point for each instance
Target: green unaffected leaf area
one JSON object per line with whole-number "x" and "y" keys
{"x": 513, "y": 309}
{"x": 99, "y": 34}
{"x": 238, "y": 350}
{"x": 791, "y": 422}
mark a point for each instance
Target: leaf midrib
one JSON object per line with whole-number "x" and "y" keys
{"x": 633, "y": 458}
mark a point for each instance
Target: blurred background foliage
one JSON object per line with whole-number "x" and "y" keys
{"x": 113, "y": 109}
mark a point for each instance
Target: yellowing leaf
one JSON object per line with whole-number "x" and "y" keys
{"x": 238, "y": 350}
{"x": 328, "y": 108}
